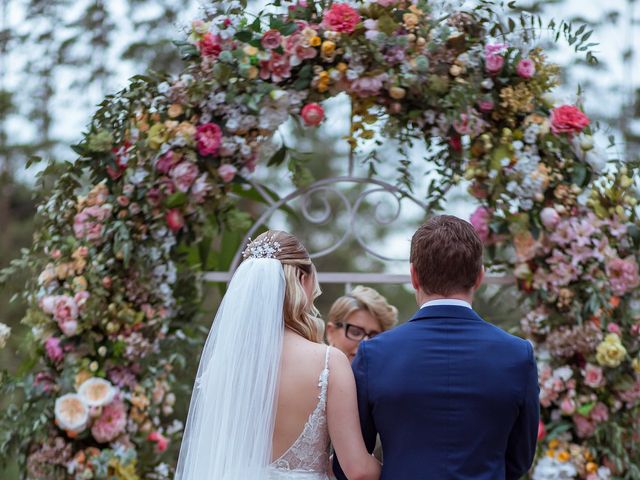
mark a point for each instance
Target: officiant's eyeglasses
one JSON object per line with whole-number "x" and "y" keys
{"x": 356, "y": 333}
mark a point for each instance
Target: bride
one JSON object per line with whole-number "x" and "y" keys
{"x": 268, "y": 396}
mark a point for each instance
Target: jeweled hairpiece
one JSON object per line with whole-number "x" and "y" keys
{"x": 265, "y": 248}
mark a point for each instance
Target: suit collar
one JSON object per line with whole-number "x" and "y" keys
{"x": 445, "y": 311}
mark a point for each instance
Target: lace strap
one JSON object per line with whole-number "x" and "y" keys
{"x": 324, "y": 378}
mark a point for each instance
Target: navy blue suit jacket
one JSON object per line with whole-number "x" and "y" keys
{"x": 451, "y": 396}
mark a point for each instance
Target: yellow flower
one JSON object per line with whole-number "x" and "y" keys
{"x": 342, "y": 67}
{"x": 175, "y": 110}
{"x": 186, "y": 129}
{"x": 328, "y": 50}
{"x": 410, "y": 20}
{"x": 315, "y": 41}
{"x": 397, "y": 93}
{"x": 553, "y": 444}
{"x": 563, "y": 456}
{"x": 610, "y": 352}
{"x": 157, "y": 136}
{"x": 592, "y": 467}
{"x": 636, "y": 364}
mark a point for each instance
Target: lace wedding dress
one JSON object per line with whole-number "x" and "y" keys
{"x": 308, "y": 457}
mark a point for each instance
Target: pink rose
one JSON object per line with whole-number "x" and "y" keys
{"x": 623, "y": 275}
{"x": 599, "y": 413}
{"x": 341, "y": 18}
{"x": 88, "y": 224}
{"x": 65, "y": 309}
{"x": 69, "y": 327}
{"x": 227, "y": 172}
{"x": 549, "y": 218}
{"x": 45, "y": 381}
{"x": 53, "y": 349}
{"x": 154, "y": 197}
{"x": 486, "y": 105}
{"x": 568, "y": 119}
{"x": 480, "y": 220}
{"x": 526, "y": 68}
{"x": 312, "y": 114}
{"x": 160, "y": 440}
{"x": 184, "y": 175}
{"x": 368, "y": 86}
{"x": 495, "y": 49}
{"x": 568, "y": 406}
{"x": 111, "y": 423}
{"x": 209, "y": 137}
{"x": 298, "y": 47}
{"x": 277, "y": 68}
{"x": 584, "y": 428}
{"x": 210, "y": 45}
{"x": 271, "y": 39}
{"x": 166, "y": 162}
{"x": 175, "y": 220}
{"x": 614, "y": 328}
{"x": 469, "y": 123}
{"x": 494, "y": 64}
{"x": 593, "y": 376}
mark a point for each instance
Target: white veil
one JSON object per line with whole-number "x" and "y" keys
{"x": 229, "y": 430}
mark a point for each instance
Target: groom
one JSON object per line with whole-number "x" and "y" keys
{"x": 451, "y": 396}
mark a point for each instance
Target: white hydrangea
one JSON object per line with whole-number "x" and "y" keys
{"x": 552, "y": 469}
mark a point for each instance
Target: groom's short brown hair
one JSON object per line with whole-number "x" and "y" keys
{"x": 446, "y": 253}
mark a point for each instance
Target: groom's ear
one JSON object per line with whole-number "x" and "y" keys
{"x": 479, "y": 280}
{"x": 415, "y": 283}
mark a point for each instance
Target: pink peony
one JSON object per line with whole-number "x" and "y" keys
{"x": 568, "y": 119}
{"x": 160, "y": 440}
{"x": 593, "y": 376}
{"x": 175, "y": 220}
{"x": 368, "y": 86}
{"x": 166, "y": 162}
{"x": 111, "y": 423}
{"x": 65, "y": 312}
{"x": 480, "y": 220}
{"x": 277, "y": 68}
{"x": 623, "y": 275}
{"x": 184, "y": 174}
{"x": 271, "y": 39}
{"x": 210, "y": 45}
{"x": 312, "y": 114}
{"x": 495, "y": 49}
{"x": 614, "y": 328}
{"x": 342, "y": 18}
{"x": 53, "y": 349}
{"x": 494, "y": 64}
{"x": 526, "y": 68}
{"x": 227, "y": 172}
{"x": 209, "y": 137}
{"x": 88, "y": 224}
{"x": 549, "y": 218}
{"x": 298, "y": 47}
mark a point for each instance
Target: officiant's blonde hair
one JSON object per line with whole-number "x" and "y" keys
{"x": 300, "y": 315}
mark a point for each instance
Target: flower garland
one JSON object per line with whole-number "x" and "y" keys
{"x": 114, "y": 289}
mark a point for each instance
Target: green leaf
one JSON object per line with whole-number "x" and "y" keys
{"x": 585, "y": 409}
{"x": 244, "y": 36}
{"x": 288, "y": 28}
{"x": 176, "y": 200}
{"x": 278, "y": 158}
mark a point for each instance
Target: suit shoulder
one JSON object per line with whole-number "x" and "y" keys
{"x": 517, "y": 343}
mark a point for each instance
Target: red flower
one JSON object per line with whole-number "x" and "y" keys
{"x": 210, "y": 45}
{"x": 121, "y": 155}
{"x": 312, "y": 114}
{"x": 209, "y": 137}
{"x": 175, "y": 220}
{"x": 542, "y": 432}
{"x": 161, "y": 441}
{"x": 568, "y": 119}
{"x": 456, "y": 143}
{"x": 341, "y": 18}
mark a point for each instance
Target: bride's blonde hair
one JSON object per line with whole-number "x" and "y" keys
{"x": 300, "y": 314}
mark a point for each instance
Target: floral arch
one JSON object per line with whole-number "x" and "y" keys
{"x": 113, "y": 290}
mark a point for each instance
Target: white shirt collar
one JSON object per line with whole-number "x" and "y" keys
{"x": 446, "y": 301}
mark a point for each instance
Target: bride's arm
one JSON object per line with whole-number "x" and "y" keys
{"x": 344, "y": 422}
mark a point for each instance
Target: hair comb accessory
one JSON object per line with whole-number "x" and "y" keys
{"x": 265, "y": 248}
